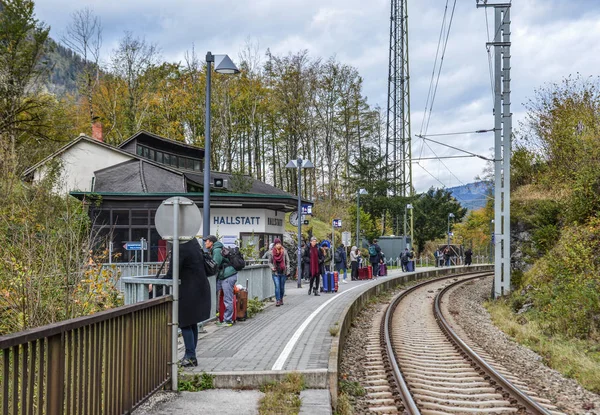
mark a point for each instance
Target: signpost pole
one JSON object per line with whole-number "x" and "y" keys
{"x": 299, "y": 270}
{"x": 175, "y": 294}
{"x": 142, "y": 254}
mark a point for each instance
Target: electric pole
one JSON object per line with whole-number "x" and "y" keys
{"x": 398, "y": 134}
{"x": 502, "y": 147}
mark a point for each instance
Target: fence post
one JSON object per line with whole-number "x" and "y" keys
{"x": 129, "y": 345}
{"x": 55, "y": 375}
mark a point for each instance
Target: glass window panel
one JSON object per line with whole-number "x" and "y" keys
{"x": 120, "y": 217}
{"x": 167, "y": 158}
{"x": 174, "y": 161}
{"x": 197, "y": 165}
{"x": 151, "y": 155}
{"x": 159, "y": 156}
{"x": 102, "y": 217}
{"x": 139, "y": 217}
{"x": 119, "y": 237}
{"x": 146, "y": 151}
{"x": 139, "y": 150}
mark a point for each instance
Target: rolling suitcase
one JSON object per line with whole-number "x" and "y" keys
{"x": 336, "y": 278}
{"x": 370, "y": 272}
{"x": 328, "y": 284}
{"x": 382, "y": 270}
{"x": 363, "y": 273}
{"x": 242, "y": 305}
{"x": 222, "y": 307}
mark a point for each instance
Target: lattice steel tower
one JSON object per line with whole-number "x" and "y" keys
{"x": 398, "y": 139}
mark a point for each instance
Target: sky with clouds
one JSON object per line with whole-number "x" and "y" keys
{"x": 550, "y": 40}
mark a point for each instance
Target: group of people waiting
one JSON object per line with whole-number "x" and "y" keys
{"x": 445, "y": 257}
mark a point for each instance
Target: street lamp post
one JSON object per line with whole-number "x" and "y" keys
{"x": 358, "y": 193}
{"x": 299, "y": 164}
{"x": 225, "y": 66}
{"x": 409, "y": 206}
{"x": 450, "y": 215}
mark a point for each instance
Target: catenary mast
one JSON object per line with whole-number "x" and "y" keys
{"x": 398, "y": 134}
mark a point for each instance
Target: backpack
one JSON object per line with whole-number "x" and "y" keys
{"x": 337, "y": 257}
{"x": 234, "y": 257}
{"x": 372, "y": 250}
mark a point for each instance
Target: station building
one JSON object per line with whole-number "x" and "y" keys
{"x": 124, "y": 185}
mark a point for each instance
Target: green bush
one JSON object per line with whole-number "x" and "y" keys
{"x": 566, "y": 284}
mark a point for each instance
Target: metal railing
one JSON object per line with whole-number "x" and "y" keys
{"x": 106, "y": 363}
{"x": 260, "y": 284}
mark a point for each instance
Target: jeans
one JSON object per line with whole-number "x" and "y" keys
{"x": 279, "y": 280}
{"x": 227, "y": 286}
{"x": 375, "y": 266}
{"x": 190, "y": 339}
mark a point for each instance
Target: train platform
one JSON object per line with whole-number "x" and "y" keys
{"x": 294, "y": 337}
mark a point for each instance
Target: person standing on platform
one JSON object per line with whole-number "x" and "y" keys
{"x": 411, "y": 260}
{"x": 194, "y": 297}
{"x": 374, "y": 257}
{"x": 341, "y": 261}
{"x": 326, "y": 257}
{"x": 404, "y": 258}
{"x": 279, "y": 261}
{"x": 354, "y": 256}
{"x": 468, "y": 257}
{"x": 447, "y": 256}
{"x": 226, "y": 277}
{"x": 313, "y": 258}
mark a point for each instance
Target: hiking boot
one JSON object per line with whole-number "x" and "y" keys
{"x": 226, "y": 323}
{"x": 278, "y": 303}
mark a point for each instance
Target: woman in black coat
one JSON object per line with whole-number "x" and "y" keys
{"x": 194, "y": 296}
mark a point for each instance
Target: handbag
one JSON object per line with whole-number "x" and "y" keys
{"x": 210, "y": 266}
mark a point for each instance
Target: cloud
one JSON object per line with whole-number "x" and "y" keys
{"x": 550, "y": 40}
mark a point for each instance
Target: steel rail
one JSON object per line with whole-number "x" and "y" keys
{"x": 500, "y": 380}
{"x": 409, "y": 403}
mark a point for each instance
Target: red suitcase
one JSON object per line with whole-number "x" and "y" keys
{"x": 222, "y": 307}
{"x": 370, "y": 275}
{"x": 336, "y": 277}
{"x": 363, "y": 273}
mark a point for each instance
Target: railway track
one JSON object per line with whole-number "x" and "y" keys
{"x": 416, "y": 363}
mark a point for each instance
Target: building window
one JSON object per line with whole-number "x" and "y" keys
{"x": 197, "y": 165}
{"x": 159, "y": 156}
{"x": 139, "y": 150}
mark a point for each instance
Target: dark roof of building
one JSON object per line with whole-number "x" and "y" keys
{"x": 254, "y": 186}
{"x": 138, "y": 176}
{"x": 141, "y": 134}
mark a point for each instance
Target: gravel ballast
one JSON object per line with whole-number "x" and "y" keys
{"x": 465, "y": 306}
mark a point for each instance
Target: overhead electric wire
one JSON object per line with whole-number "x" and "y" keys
{"x": 456, "y": 133}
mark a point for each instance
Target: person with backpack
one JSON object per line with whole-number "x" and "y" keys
{"x": 340, "y": 258}
{"x": 313, "y": 258}
{"x": 404, "y": 260}
{"x": 279, "y": 261}
{"x": 226, "y": 277}
{"x": 374, "y": 257}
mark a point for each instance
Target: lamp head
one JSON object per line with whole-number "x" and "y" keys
{"x": 226, "y": 66}
{"x": 409, "y": 206}
{"x": 362, "y": 192}
{"x": 450, "y": 215}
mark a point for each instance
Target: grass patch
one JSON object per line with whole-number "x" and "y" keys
{"x": 352, "y": 388}
{"x": 196, "y": 383}
{"x": 282, "y": 398}
{"x": 344, "y": 405}
{"x": 255, "y": 306}
{"x": 334, "y": 330}
{"x": 577, "y": 359}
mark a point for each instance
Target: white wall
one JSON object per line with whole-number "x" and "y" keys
{"x": 79, "y": 164}
{"x": 233, "y": 221}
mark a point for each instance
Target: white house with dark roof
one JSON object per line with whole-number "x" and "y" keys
{"x": 129, "y": 182}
